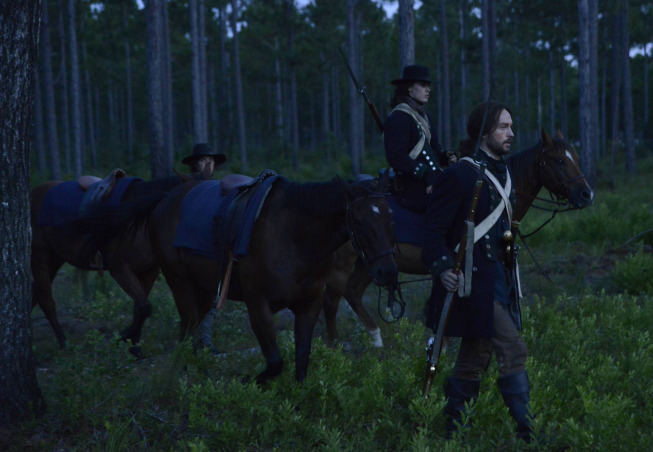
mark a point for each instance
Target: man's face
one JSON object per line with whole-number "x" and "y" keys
{"x": 498, "y": 141}
{"x": 420, "y": 91}
{"x": 205, "y": 166}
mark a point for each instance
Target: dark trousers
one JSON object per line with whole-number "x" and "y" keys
{"x": 507, "y": 344}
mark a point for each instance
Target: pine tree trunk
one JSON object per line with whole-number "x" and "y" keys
{"x": 39, "y": 141}
{"x": 49, "y": 110}
{"x": 464, "y": 69}
{"x": 446, "y": 83}
{"x": 155, "y": 85}
{"x": 588, "y": 107}
{"x": 240, "y": 105}
{"x": 292, "y": 74}
{"x": 63, "y": 68}
{"x": 627, "y": 90}
{"x": 20, "y": 395}
{"x": 406, "y": 33}
{"x": 129, "y": 100}
{"x": 75, "y": 91}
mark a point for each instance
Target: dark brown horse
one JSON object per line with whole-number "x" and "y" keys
{"x": 128, "y": 259}
{"x": 290, "y": 257}
{"x": 552, "y": 163}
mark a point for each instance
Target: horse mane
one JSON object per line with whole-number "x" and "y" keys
{"x": 522, "y": 162}
{"x": 313, "y": 198}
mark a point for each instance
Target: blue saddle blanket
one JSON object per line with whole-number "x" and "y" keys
{"x": 409, "y": 225}
{"x": 62, "y": 202}
{"x": 195, "y": 232}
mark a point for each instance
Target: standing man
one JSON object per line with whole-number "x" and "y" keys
{"x": 489, "y": 319}
{"x": 411, "y": 145}
{"x": 203, "y": 161}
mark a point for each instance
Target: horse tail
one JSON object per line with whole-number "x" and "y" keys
{"x": 105, "y": 223}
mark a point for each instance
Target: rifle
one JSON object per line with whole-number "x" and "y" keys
{"x": 433, "y": 358}
{"x": 363, "y": 92}
{"x": 435, "y": 342}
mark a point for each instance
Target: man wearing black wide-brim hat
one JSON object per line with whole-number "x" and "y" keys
{"x": 411, "y": 145}
{"x": 203, "y": 160}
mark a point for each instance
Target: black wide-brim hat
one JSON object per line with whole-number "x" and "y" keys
{"x": 201, "y": 150}
{"x": 413, "y": 73}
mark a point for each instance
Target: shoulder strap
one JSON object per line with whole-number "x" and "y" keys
{"x": 422, "y": 126}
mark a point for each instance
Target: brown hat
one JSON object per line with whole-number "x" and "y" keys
{"x": 413, "y": 73}
{"x": 201, "y": 150}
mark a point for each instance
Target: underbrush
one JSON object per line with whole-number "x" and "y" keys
{"x": 588, "y": 311}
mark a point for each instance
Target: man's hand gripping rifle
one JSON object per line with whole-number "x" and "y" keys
{"x": 434, "y": 345}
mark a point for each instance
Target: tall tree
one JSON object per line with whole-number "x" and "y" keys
{"x": 627, "y": 89}
{"x": 20, "y": 395}
{"x": 63, "y": 77}
{"x": 292, "y": 74}
{"x": 198, "y": 65}
{"x": 406, "y": 33}
{"x": 355, "y": 106}
{"x": 488, "y": 31}
{"x": 75, "y": 91}
{"x": 155, "y": 88}
{"x": 238, "y": 81}
{"x": 588, "y": 101}
{"x": 445, "y": 114}
{"x": 128, "y": 82}
{"x": 49, "y": 110}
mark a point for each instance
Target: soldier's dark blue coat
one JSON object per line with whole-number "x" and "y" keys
{"x": 447, "y": 210}
{"x": 400, "y": 135}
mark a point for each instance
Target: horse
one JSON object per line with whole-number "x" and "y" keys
{"x": 287, "y": 264}
{"x": 128, "y": 259}
{"x": 551, "y": 163}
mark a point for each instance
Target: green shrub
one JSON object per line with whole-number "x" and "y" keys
{"x": 635, "y": 273}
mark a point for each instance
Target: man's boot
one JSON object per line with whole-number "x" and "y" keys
{"x": 515, "y": 389}
{"x": 458, "y": 392}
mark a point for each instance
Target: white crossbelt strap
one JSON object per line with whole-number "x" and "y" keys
{"x": 421, "y": 124}
{"x": 464, "y": 288}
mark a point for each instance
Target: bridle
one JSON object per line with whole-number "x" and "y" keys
{"x": 354, "y": 235}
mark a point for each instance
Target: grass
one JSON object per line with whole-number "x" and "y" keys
{"x": 587, "y": 326}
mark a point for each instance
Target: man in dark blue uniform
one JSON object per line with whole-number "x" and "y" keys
{"x": 488, "y": 320}
{"x": 411, "y": 144}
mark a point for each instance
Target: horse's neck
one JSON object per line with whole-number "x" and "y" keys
{"x": 523, "y": 168}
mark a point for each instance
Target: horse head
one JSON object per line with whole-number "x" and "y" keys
{"x": 559, "y": 171}
{"x": 371, "y": 230}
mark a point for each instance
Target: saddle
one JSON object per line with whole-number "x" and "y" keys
{"x": 96, "y": 189}
{"x": 238, "y": 212}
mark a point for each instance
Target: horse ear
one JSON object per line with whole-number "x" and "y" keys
{"x": 559, "y": 135}
{"x": 546, "y": 139}
{"x": 182, "y": 177}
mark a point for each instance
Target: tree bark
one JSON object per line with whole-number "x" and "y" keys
{"x": 155, "y": 86}
{"x": 446, "y": 84}
{"x": 63, "y": 76}
{"x": 355, "y": 113}
{"x": 292, "y": 75}
{"x": 129, "y": 100}
{"x": 406, "y": 33}
{"x": 588, "y": 103}
{"x": 49, "y": 110}
{"x": 627, "y": 90}
{"x": 198, "y": 80}
{"x": 240, "y": 105}
{"x": 20, "y": 395}
{"x": 75, "y": 91}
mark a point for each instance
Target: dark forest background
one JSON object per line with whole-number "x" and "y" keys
{"x": 136, "y": 84}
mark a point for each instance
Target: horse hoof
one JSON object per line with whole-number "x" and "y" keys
{"x": 137, "y": 352}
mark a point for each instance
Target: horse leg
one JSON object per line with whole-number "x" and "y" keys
{"x": 44, "y": 269}
{"x": 304, "y": 325}
{"x": 138, "y": 288}
{"x": 261, "y": 320}
{"x": 331, "y": 300}
{"x": 356, "y": 285}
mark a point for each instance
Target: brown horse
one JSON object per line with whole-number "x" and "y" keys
{"x": 552, "y": 163}
{"x": 290, "y": 257}
{"x": 128, "y": 259}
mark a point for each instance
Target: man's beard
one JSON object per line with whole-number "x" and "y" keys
{"x": 496, "y": 147}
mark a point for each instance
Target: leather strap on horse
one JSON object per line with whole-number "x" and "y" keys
{"x": 224, "y": 287}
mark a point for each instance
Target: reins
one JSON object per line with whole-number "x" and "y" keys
{"x": 354, "y": 236}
